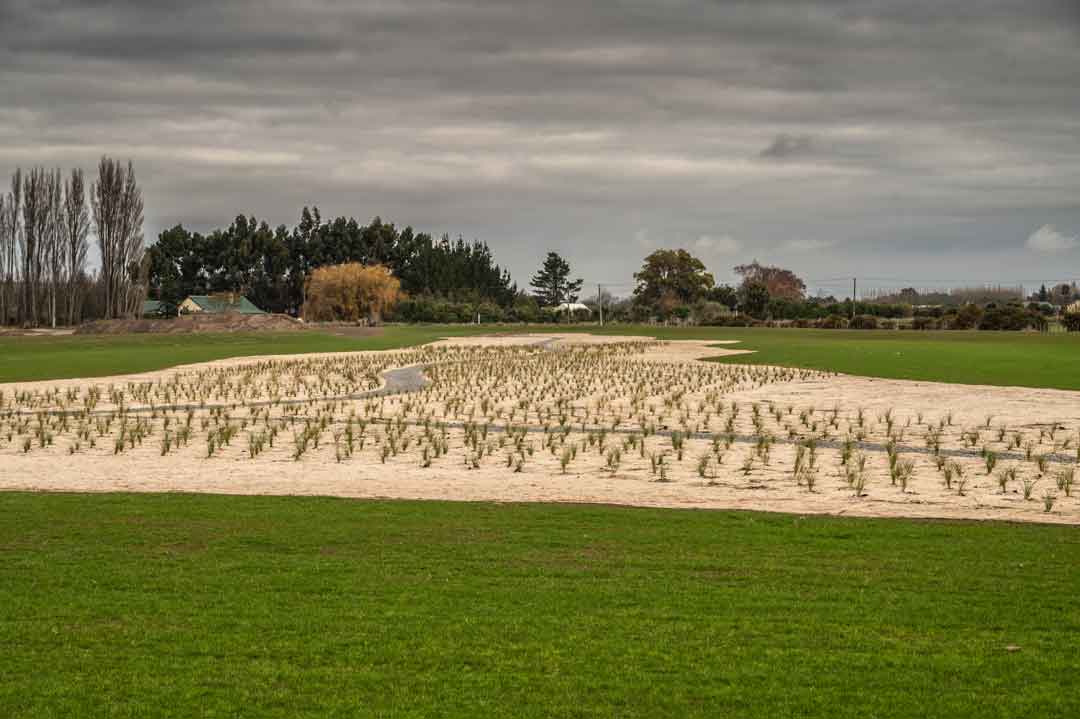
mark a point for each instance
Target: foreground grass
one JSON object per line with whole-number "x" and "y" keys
{"x": 136, "y": 605}
{"x": 995, "y": 358}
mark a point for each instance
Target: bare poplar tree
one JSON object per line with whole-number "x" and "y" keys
{"x": 117, "y": 206}
{"x": 5, "y": 232}
{"x": 53, "y": 246}
{"x": 10, "y": 248}
{"x": 34, "y": 239}
{"x": 76, "y": 229}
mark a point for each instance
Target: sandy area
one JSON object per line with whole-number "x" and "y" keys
{"x": 548, "y": 417}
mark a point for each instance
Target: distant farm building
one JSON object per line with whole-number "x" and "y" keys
{"x": 153, "y": 309}
{"x": 572, "y": 308}
{"x": 218, "y": 305}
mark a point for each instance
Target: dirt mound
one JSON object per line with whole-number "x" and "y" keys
{"x": 193, "y": 323}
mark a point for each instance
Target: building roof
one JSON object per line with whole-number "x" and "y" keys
{"x": 153, "y": 307}
{"x": 220, "y": 304}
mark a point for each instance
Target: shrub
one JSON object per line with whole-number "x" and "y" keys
{"x": 863, "y": 322}
{"x": 711, "y": 313}
{"x": 735, "y": 321}
{"x": 833, "y": 322}
{"x": 1071, "y": 321}
{"x": 925, "y": 323}
{"x": 350, "y": 292}
{"x": 966, "y": 318}
{"x": 1008, "y": 317}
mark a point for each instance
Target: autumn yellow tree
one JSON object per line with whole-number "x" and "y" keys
{"x": 350, "y": 292}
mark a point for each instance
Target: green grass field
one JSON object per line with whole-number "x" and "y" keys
{"x": 994, "y": 358}
{"x": 180, "y": 605}
{"x": 998, "y": 358}
{"x": 41, "y": 358}
{"x": 186, "y": 605}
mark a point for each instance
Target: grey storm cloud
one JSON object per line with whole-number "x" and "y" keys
{"x": 931, "y": 138}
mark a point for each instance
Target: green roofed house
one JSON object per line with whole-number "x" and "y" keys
{"x": 153, "y": 309}
{"x": 219, "y": 305}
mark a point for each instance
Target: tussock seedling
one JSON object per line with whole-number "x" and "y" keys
{"x": 1004, "y": 477}
{"x": 614, "y": 459}
{"x": 953, "y": 472}
{"x": 659, "y": 467}
{"x": 902, "y": 471}
{"x": 800, "y": 460}
{"x": 704, "y": 466}
{"x": 855, "y": 472}
{"x": 1064, "y": 480}
{"x": 678, "y": 440}
{"x": 847, "y": 447}
{"x": 1028, "y": 484}
{"x": 948, "y": 471}
{"x": 1048, "y": 501}
{"x": 961, "y": 484}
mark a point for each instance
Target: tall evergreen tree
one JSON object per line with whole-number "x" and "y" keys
{"x": 552, "y": 283}
{"x": 270, "y": 266}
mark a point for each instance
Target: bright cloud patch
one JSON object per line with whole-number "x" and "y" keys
{"x": 722, "y": 245}
{"x": 807, "y": 245}
{"x": 1047, "y": 239}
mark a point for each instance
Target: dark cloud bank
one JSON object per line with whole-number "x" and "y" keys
{"x": 903, "y": 141}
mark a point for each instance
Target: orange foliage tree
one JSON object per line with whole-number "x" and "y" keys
{"x": 350, "y": 292}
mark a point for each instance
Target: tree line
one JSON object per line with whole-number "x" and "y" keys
{"x": 271, "y": 266}
{"x": 45, "y": 223}
{"x": 46, "y": 219}
{"x": 674, "y": 285}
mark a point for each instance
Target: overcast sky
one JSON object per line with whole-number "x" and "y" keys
{"x": 912, "y": 143}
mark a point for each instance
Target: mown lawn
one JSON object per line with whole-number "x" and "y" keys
{"x": 40, "y": 358}
{"x": 994, "y": 358}
{"x": 187, "y": 605}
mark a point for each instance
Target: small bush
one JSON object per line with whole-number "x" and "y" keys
{"x": 833, "y": 322}
{"x": 1007, "y": 317}
{"x": 863, "y": 322}
{"x": 966, "y": 318}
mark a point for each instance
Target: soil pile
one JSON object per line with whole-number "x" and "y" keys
{"x": 230, "y": 322}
